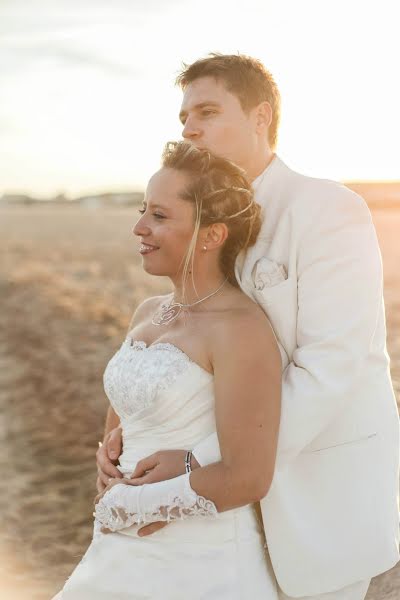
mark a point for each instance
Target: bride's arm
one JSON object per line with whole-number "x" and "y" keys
{"x": 247, "y": 412}
{"x": 247, "y": 409}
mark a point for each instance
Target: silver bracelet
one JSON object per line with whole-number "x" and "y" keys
{"x": 188, "y": 458}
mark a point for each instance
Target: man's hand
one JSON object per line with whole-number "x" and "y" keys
{"x": 107, "y": 457}
{"x": 159, "y": 466}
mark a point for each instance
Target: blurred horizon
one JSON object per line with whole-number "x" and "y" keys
{"x": 141, "y": 190}
{"x": 377, "y": 195}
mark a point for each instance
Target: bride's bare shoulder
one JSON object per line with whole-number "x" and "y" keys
{"x": 244, "y": 326}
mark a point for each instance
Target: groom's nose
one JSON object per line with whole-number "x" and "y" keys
{"x": 191, "y": 130}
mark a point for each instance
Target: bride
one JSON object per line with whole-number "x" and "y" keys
{"x": 194, "y": 362}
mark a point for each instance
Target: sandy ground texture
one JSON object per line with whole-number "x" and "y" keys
{"x": 69, "y": 281}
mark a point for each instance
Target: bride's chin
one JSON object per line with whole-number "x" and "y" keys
{"x": 160, "y": 268}
{"x": 154, "y": 270}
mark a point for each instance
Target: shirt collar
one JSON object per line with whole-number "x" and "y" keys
{"x": 269, "y": 173}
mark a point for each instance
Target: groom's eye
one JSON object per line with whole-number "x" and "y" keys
{"x": 207, "y": 113}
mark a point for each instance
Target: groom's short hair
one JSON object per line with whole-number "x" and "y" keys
{"x": 244, "y": 76}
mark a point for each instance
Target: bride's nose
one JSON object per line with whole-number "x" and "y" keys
{"x": 141, "y": 228}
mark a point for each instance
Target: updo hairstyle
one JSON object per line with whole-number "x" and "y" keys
{"x": 220, "y": 193}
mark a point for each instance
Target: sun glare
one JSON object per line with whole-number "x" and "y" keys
{"x": 88, "y": 104}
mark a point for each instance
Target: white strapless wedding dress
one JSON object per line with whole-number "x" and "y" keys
{"x": 165, "y": 401}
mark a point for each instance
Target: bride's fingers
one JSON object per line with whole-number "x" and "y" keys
{"x": 137, "y": 481}
{"x": 146, "y": 464}
{"x": 111, "y": 482}
{"x": 150, "y": 477}
{"x": 141, "y": 480}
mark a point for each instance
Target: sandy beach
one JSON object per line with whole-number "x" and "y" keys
{"x": 70, "y": 279}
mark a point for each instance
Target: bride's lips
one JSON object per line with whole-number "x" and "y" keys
{"x": 147, "y": 248}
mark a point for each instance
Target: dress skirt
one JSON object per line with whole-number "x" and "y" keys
{"x": 198, "y": 558}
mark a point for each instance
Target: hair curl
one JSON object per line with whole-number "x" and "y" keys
{"x": 221, "y": 193}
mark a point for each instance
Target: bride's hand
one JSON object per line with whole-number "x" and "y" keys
{"x": 162, "y": 465}
{"x": 143, "y": 531}
{"x": 111, "y": 483}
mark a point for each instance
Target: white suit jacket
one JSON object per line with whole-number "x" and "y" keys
{"x": 331, "y": 516}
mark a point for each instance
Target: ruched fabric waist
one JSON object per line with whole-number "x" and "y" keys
{"x": 140, "y": 440}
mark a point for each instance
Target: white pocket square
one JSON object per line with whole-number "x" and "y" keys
{"x": 267, "y": 273}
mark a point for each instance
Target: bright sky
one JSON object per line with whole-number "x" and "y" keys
{"x": 87, "y": 99}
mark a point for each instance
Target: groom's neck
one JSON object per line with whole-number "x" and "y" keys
{"x": 259, "y": 163}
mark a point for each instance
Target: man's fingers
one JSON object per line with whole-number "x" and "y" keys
{"x": 146, "y": 464}
{"x": 100, "y": 485}
{"x": 151, "y": 528}
{"x": 114, "y": 443}
{"x": 109, "y": 470}
{"x": 105, "y": 478}
{"x": 112, "y": 471}
{"x": 104, "y": 464}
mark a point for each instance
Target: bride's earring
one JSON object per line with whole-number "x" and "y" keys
{"x": 204, "y": 248}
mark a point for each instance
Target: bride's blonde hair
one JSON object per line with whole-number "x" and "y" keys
{"x": 220, "y": 193}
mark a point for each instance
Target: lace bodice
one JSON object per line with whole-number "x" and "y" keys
{"x": 163, "y": 398}
{"x": 137, "y": 373}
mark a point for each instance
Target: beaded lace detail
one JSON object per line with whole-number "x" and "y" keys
{"x": 134, "y": 376}
{"x": 113, "y": 513}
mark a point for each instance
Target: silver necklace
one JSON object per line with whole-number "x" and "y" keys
{"x": 170, "y": 311}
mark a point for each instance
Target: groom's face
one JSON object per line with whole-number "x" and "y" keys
{"x": 213, "y": 119}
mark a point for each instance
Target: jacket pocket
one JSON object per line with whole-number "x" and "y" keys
{"x": 268, "y": 296}
{"x": 267, "y": 273}
{"x": 346, "y": 443}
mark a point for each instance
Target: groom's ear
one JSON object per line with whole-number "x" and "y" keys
{"x": 263, "y": 117}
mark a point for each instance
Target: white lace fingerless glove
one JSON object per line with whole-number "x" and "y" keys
{"x": 123, "y": 505}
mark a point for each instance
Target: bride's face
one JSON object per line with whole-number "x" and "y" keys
{"x": 166, "y": 226}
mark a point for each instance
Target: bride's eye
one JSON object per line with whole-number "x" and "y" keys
{"x": 141, "y": 210}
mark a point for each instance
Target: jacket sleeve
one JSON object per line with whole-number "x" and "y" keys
{"x": 340, "y": 285}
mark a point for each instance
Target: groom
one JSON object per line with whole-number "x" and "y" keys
{"x": 331, "y": 516}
